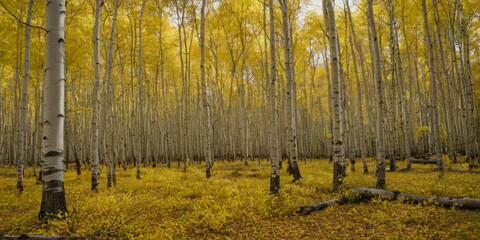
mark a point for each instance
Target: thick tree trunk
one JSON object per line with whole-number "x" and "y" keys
{"x": 338, "y": 149}
{"x": 53, "y": 195}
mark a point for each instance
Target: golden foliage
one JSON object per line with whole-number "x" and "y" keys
{"x": 234, "y": 203}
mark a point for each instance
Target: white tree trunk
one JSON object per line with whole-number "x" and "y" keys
{"x": 433, "y": 84}
{"x": 96, "y": 97}
{"x": 338, "y": 149}
{"x": 23, "y": 109}
{"x": 53, "y": 196}
{"x": 206, "y": 106}
{"x": 377, "y": 65}
{"x": 274, "y": 145}
{"x": 290, "y": 96}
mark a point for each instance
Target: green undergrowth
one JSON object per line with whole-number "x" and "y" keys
{"x": 235, "y": 204}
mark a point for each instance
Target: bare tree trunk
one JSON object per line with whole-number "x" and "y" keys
{"x": 274, "y": 146}
{"x": 96, "y": 97}
{"x": 110, "y": 157}
{"x": 23, "y": 110}
{"x": 206, "y": 106}
{"x": 53, "y": 195}
{"x": 290, "y": 96}
{"x": 141, "y": 120}
{"x": 379, "y": 85}
{"x": 363, "y": 149}
{"x": 338, "y": 149}
{"x": 433, "y": 84}
{"x": 470, "y": 121}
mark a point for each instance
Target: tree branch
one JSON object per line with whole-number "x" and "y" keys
{"x": 20, "y": 21}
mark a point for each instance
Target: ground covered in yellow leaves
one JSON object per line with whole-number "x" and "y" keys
{"x": 235, "y": 204}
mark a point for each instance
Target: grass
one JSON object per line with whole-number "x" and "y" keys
{"x": 235, "y": 204}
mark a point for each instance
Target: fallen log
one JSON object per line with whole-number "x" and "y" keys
{"x": 423, "y": 161}
{"x": 366, "y": 194}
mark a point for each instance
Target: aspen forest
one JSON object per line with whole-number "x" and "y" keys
{"x": 240, "y": 119}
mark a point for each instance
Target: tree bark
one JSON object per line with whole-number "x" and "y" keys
{"x": 53, "y": 195}
{"x": 290, "y": 96}
{"x": 379, "y": 93}
{"x": 433, "y": 84}
{"x": 23, "y": 110}
{"x": 206, "y": 106}
{"x": 274, "y": 145}
{"x": 338, "y": 149}
{"x": 96, "y": 97}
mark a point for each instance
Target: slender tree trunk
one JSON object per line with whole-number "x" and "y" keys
{"x": 338, "y": 149}
{"x": 379, "y": 92}
{"x": 141, "y": 120}
{"x": 110, "y": 157}
{"x": 206, "y": 106}
{"x": 274, "y": 145}
{"x": 363, "y": 149}
{"x": 433, "y": 85}
{"x": 290, "y": 96}
{"x": 23, "y": 109}
{"x": 53, "y": 195}
{"x": 470, "y": 121}
{"x": 96, "y": 97}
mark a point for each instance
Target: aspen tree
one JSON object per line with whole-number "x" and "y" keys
{"x": 470, "y": 121}
{"x": 141, "y": 107}
{"x": 96, "y": 97}
{"x": 394, "y": 77}
{"x": 23, "y": 110}
{"x": 354, "y": 42}
{"x": 403, "y": 97}
{"x": 338, "y": 148}
{"x": 292, "y": 151}
{"x": 433, "y": 84}
{"x": 53, "y": 194}
{"x": 206, "y": 106}
{"x": 448, "y": 106}
{"x": 379, "y": 92}
{"x": 274, "y": 145}
{"x": 110, "y": 160}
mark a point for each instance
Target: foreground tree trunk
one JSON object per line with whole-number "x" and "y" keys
{"x": 53, "y": 195}
{"x": 274, "y": 145}
{"x": 96, "y": 96}
{"x": 338, "y": 150}
{"x": 23, "y": 109}
{"x": 206, "y": 106}
{"x": 380, "y": 111}
{"x": 290, "y": 96}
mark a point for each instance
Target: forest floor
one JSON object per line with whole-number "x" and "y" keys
{"x": 235, "y": 204}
